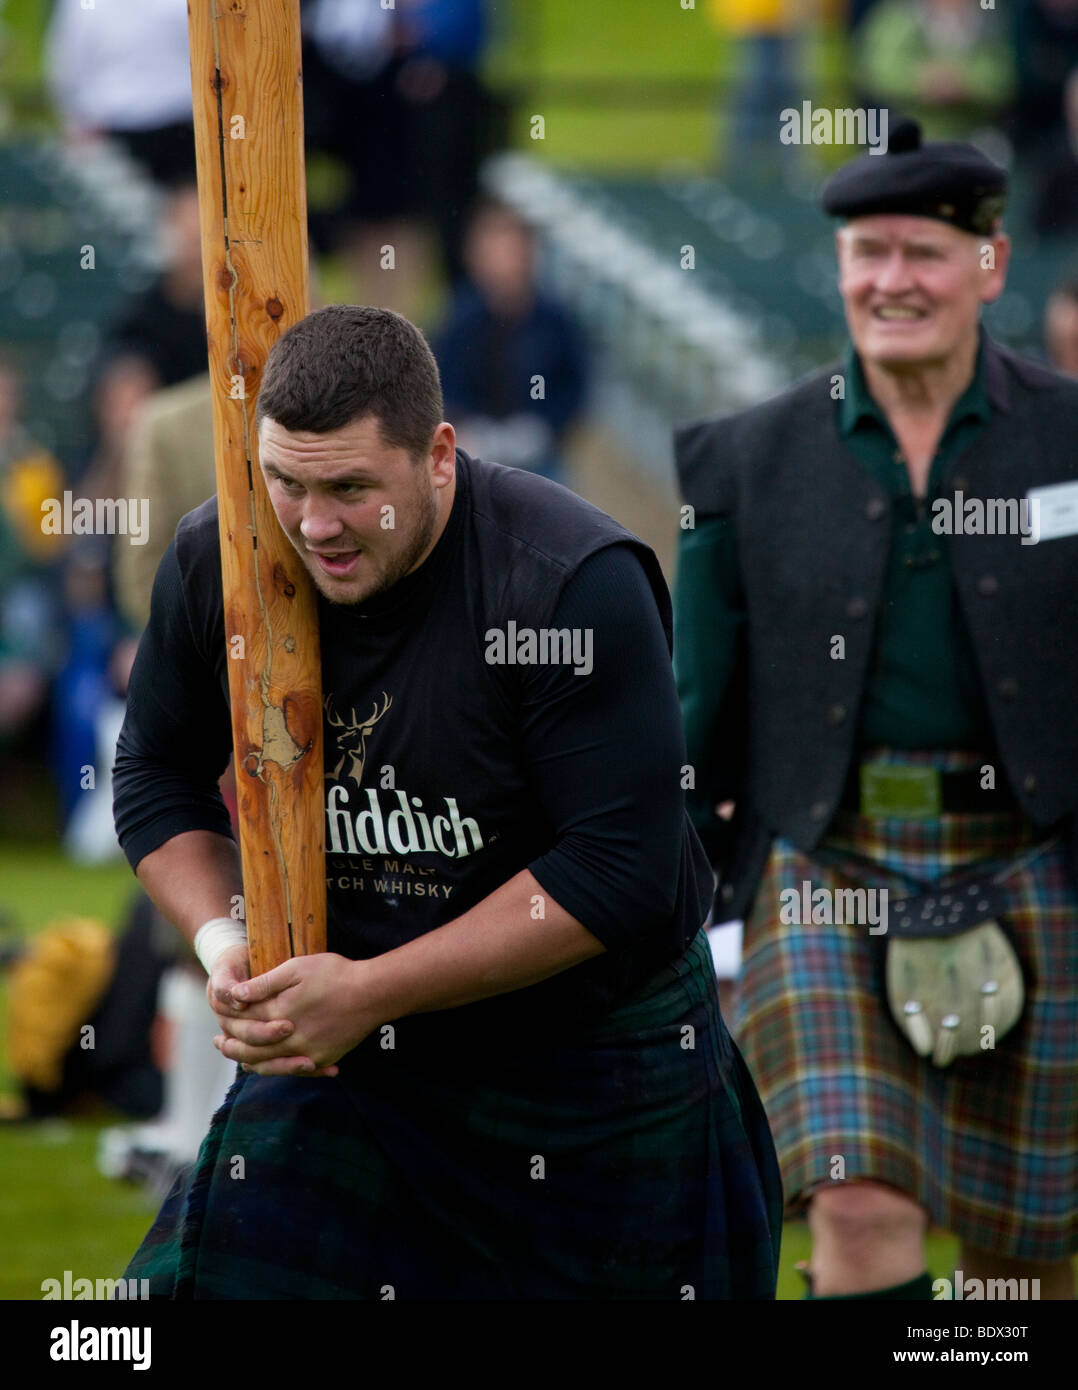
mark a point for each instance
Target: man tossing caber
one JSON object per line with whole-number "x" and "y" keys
{"x": 507, "y": 1077}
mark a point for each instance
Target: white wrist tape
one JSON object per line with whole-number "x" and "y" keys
{"x": 215, "y": 937}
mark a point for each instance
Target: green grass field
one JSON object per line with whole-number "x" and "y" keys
{"x": 58, "y": 1213}
{"x": 634, "y": 86}
{"x": 596, "y": 73}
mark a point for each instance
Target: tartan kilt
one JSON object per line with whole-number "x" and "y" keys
{"x": 989, "y": 1145}
{"x": 615, "y": 1163}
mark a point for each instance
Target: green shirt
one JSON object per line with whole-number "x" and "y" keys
{"x": 923, "y": 689}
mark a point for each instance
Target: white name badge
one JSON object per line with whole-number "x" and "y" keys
{"x": 1055, "y": 509}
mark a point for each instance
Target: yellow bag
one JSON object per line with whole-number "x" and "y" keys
{"x": 753, "y": 16}
{"x": 53, "y": 990}
{"x": 29, "y": 481}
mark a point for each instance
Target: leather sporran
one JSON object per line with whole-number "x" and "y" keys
{"x": 954, "y": 982}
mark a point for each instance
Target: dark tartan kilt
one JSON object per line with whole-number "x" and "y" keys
{"x": 988, "y": 1145}
{"x": 634, "y": 1162}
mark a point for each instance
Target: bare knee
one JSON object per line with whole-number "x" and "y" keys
{"x": 870, "y": 1213}
{"x": 865, "y": 1237}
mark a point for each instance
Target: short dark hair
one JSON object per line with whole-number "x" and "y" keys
{"x": 487, "y": 206}
{"x": 347, "y": 361}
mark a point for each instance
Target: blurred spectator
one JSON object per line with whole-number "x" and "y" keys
{"x": 86, "y": 688}
{"x": 1045, "y": 37}
{"x": 123, "y": 384}
{"x": 29, "y": 566}
{"x": 354, "y": 111}
{"x": 766, "y": 34}
{"x": 1055, "y": 210}
{"x": 452, "y": 112}
{"x": 393, "y": 94}
{"x": 946, "y": 63}
{"x": 1061, "y": 327}
{"x": 513, "y": 362}
{"x": 195, "y": 1079}
{"x": 169, "y": 460}
{"x": 124, "y": 70}
{"x": 166, "y": 326}
{"x": 90, "y": 833}
{"x": 75, "y": 974}
{"x": 83, "y": 688}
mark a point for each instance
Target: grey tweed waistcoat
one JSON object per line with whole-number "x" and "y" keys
{"x": 813, "y": 531}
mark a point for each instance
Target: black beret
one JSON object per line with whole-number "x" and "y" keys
{"x": 945, "y": 179}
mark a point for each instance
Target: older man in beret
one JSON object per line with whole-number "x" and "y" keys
{"x": 875, "y": 603}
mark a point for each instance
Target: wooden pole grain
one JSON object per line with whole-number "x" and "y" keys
{"x": 247, "y": 86}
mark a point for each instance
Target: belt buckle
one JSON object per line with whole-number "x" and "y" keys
{"x": 901, "y": 791}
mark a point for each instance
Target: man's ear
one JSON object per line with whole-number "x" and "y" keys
{"x": 443, "y": 454}
{"x": 995, "y": 258}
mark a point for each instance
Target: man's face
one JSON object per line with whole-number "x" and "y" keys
{"x": 913, "y": 286}
{"x": 499, "y": 253}
{"x": 359, "y": 512}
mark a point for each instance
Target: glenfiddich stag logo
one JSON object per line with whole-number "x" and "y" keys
{"x": 392, "y": 821}
{"x": 352, "y": 739}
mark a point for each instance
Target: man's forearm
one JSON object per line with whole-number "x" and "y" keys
{"x": 193, "y": 877}
{"x": 501, "y": 944}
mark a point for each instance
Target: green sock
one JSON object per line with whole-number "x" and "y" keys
{"x": 919, "y": 1288}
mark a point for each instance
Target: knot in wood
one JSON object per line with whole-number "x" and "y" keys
{"x": 281, "y": 581}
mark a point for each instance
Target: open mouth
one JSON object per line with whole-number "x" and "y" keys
{"x": 898, "y": 313}
{"x": 339, "y": 564}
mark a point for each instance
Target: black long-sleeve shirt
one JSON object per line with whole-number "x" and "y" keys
{"x": 468, "y": 771}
